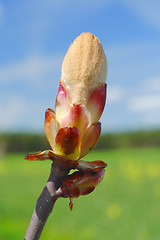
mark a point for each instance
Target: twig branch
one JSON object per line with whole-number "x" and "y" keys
{"x": 45, "y": 202}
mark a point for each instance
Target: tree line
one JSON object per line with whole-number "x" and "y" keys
{"x": 38, "y": 142}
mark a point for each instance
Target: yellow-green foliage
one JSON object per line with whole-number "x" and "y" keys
{"x": 125, "y": 206}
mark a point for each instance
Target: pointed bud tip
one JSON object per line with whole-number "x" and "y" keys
{"x": 84, "y": 66}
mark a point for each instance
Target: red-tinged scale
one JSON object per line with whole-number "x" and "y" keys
{"x": 90, "y": 139}
{"x": 68, "y": 139}
{"x": 80, "y": 183}
{"x": 61, "y": 98}
{"x": 96, "y": 102}
{"x": 36, "y": 156}
{"x": 76, "y": 116}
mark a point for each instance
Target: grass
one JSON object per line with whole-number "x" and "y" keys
{"x": 125, "y": 206}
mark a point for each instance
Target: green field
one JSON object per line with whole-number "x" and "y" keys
{"x": 125, "y": 206}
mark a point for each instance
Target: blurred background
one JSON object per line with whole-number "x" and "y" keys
{"x": 34, "y": 38}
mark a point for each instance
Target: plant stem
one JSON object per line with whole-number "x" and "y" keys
{"x": 45, "y": 202}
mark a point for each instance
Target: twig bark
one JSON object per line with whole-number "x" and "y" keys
{"x": 45, "y": 202}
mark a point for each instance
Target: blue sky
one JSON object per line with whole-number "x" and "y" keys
{"x": 34, "y": 38}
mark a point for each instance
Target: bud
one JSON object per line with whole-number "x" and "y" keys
{"x": 79, "y": 183}
{"x": 73, "y": 129}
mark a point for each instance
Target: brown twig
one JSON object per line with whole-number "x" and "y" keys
{"x": 45, "y": 202}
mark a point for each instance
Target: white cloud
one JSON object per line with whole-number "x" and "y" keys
{"x": 16, "y": 107}
{"x": 30, "y": 69}
{"x": 132, "y": 51}
{"x": 152, "y": 85}
{"x": 152, "y": 120}
{"x": 115, "y": 93}
{"x": 148, "y": 98}
{"x": 11, "y": 111}
{"x": 18, "y": 113}
{"x": 144, "y": 103}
